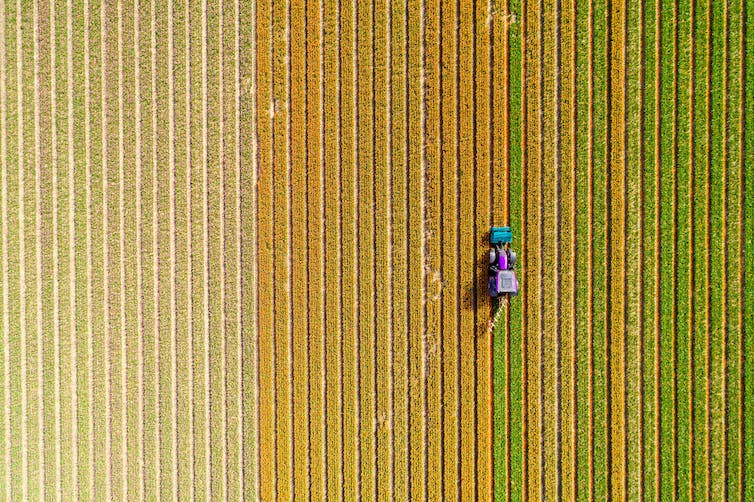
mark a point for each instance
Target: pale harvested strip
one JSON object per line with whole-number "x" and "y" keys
{"x": 105, "y": 251}
{"x": 661, "y": 143}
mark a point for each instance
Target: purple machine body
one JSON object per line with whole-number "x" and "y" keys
{"x": 502, "y": 276}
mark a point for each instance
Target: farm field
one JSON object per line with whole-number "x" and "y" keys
{"x": 240, "y": 249}
{"x": 376, "y": 142}
{"x": 625, "y": 372}
{"x": 124, "y": 355}
{"x": 243, "y": 249}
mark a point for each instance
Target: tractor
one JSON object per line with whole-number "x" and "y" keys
{"x": 502, "y": 276}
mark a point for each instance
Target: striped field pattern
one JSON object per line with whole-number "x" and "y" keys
{"x": 375, "y": 194}
{"x": 242, "y": 249}
{"x": 626, "y": 372}
{"x": 125, "y": 374}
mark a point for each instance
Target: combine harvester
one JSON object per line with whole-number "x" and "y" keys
{"x": 502, "y": 279}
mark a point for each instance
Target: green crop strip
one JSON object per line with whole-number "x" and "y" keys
{"x": 689, "y": 213}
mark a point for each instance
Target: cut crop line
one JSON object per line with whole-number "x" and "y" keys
{"x": 371, "y": 133}
{"x": 326, "y": 251}
{"x": 441, "y": 165}
{"x": 22, "y": 253}
{"x": 307, "y": 293}
{"x": 239, "y": 240}
{"x": 106, "y": 250}
{"x": 323, "y": 249}
{"x": 741, "y": 225}
{"x": 573, "y": 265}
{"x": 6, "y": 286}
{"x": 608, "y": 250}
{"x": 724, "y": 215}
{"x": 189, "y": 256}
{"x": 254, "y": 467}
{"x": 541, "y": 251}
{"x": 307, "y": 227}
{"x": 708, "y": 242}
{"x": 457, "y": 254}
{"x": 326, "y": 258}
{"x": 55, "y": 250}
{"x": 657, "y": 249}
{"x": 89, "y": 267}
{"x": 139, "y": 249}
{"x": 255, "y": 154}
{"x": 692, "y": 245}
{"x": 373, "y": 299}
{"x": 6, "y": 312}
{"x": 289, "y": 238}
{"x": 156, "y": 253}
{"x": 71, "y": 244}
{"x": 223, "y": 295}
{"x": 624, "y": 217}
{"x": 524, "y": 240}
{"x": 590, "y": 237}
{"x": 274, "y": 161}
{"x": 274, "y": 252}
{"x": 474, "y": 111}
{"x": 38, "y": 260}
{"x": 640, "y": 274}
{"x": 506, "y": 124}
{"x": 390, "y": 285}
{"x": 357, "y": 242}
{"x": 223, "y": 216}
{"x": 122, "y": 251}
{"x": 674, "y": 317}
{"x": 625, "y": 189}
{"x": 172, "y": 217}
{"x": 205, "y": 258}
{"x": 558, "y": 280}
{"x": 389, "y": 232}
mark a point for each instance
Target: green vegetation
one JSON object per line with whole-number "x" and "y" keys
{"x": 687, "y": 243}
